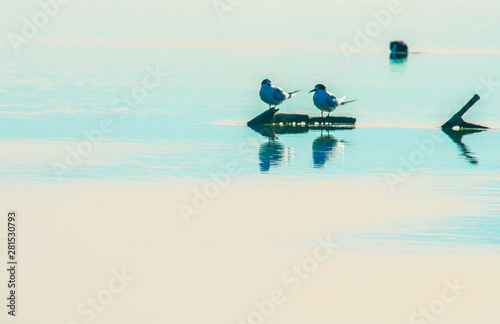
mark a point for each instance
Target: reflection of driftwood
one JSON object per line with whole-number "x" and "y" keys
{"x": 271, "y": 116}
{"x": 456, "y": 136}
{"x": 271, "y": 131}
{"x": 457, "y": 121}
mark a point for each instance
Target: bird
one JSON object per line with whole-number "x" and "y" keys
{"x": 326, "y": 101}
{"x": 273, "y": 95}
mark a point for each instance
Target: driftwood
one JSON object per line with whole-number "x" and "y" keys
{"x": 271, "y": 131}
{"x": 265, "y": 118}
{"x": 333, "y": 120}
{"x": 290, "y": 118}
{"x": 271, "y": 116}
{"x": 457, "y": 121}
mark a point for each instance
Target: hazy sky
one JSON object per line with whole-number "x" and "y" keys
{"x": 423, "y": 23}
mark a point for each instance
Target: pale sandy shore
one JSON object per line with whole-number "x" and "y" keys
{"x": 244, "y": 247}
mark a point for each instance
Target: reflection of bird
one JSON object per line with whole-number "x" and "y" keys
{"x": 272, "y": 95}
{"x": 323, "y": 148}
{"x": 271, "y": 153}
{"x": 456, "y": 136}
{"x": 326, "y": 101}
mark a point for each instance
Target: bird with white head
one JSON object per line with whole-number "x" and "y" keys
{"x": 326, "y": 101}
{"x": 272, "y": 95}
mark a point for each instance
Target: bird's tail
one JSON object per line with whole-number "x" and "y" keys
{"x": 342, "y": 101}
{"x": 293, "y": 93}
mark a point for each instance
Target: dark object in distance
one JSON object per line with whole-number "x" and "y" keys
{"x": 399, "y": 51}
{"x": 399, "y": 47}
{"x": 457, "y": 120}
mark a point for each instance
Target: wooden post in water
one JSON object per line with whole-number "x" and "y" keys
{"x": 457, "y": 120}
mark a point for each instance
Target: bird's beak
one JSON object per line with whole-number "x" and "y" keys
{"x": 312, "y": 90}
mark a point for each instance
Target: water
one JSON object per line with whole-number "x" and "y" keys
{"x": 193, "y": 123}
{"x": 396, "y": 192}
{"x": 219, "y": 86}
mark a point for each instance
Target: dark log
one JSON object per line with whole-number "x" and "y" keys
{"x": 265, "y": 118}
{"x": 333, "y": 120}
{"x": 271, "y": 131}
{"x": 270, "y": 117}
{"x": 290, "y": 118}
{"x": 457, "y": 120}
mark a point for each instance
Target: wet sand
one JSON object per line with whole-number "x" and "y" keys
{"x": 241, "y": 249}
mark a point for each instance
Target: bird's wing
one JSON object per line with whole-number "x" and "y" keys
{"x": 331, "y": 100}
{"x": 279, "y": 94}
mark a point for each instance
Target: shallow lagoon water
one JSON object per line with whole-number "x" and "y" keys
{"x": 181, "y": 151}
{"x": 441, "y": 215}
{"x": 193, "y": 123}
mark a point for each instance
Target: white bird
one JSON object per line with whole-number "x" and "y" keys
{"x": 272, "y": 95}
{"x": 326, "y": 101}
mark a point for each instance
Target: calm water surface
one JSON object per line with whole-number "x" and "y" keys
{"x": 193, "y": 125}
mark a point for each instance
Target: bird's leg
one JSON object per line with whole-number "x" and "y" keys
{"x": 328, "y": 114}
{"x": 322, "y": 114}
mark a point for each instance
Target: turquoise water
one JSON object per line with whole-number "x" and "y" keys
{"x": 69, "y": 88}
{"x": 157, "y": 152}
{"x": 193, "y": 124}
{"x": 194, "y": 119}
